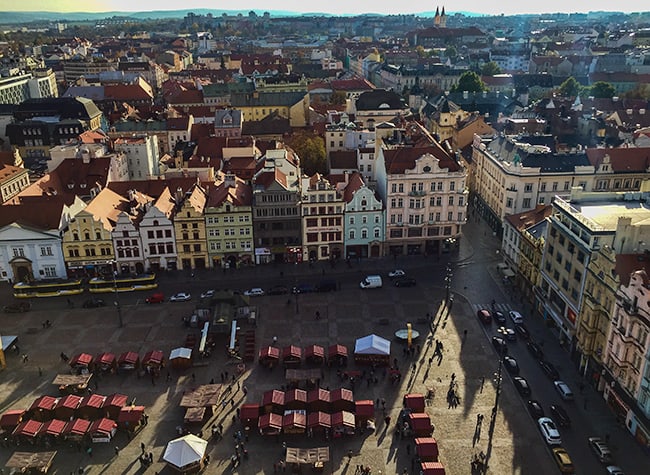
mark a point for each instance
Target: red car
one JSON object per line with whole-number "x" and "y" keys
{"x": 156, "y": 298}
{"x": 484, "y": 315}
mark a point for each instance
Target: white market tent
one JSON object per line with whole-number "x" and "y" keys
{"x": 185, "y": 353}
{"x": 185, "y": 451}
{"x": 372, "y": 345}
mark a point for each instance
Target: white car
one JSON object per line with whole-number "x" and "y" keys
{"x": 396, "y": 273}
{"x": 254, "y": 292}
{"x": 516, "y": 317}
{"x": 564, "y": 390}
{"x": 549, "y": 431}
{"x": 180, "y": 297}
{"x": 614, "y": 470}
{"x": 207, "y": 294}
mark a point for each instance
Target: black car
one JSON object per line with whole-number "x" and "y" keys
{"x": 303, "y": 289}
{"x": 511, "y": 365}
{"x": 499, "y": 317}
{"x": 500, "y": 345}
{"x": 560, "y": 416}
{"x": 522, "y": 386}
{"x": 549, "y": 370}
{"x": 404, "y": 282}
{"x": 327, "y": 286}
{"x": 278, "y": 290}
{"x": 523, "y": 331}
{"x": 535, "y": 408}
{"x": 535, "y": 350}
{"x": 94, "y": 303}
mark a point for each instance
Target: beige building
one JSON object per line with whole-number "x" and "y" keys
{"x": 13, "y": 180}
{"x": 189, "y": 230}
{"x": 229, "y": 224}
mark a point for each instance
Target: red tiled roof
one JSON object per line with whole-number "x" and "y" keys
{"x": 239, "y": 195}
{"x": 622, "y": 160}
{"x": 627, "y": 264}
{"x": 400, "y": 159}
{"x": 355, "y": 181}
{"x": 529, "y": 218}
{"x": 126, "y": 92}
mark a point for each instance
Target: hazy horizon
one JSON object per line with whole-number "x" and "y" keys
{"x": 358, "y": 7}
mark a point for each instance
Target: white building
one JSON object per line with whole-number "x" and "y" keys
{"x": 157, "y": 234}
{"x": 142, "y": 156}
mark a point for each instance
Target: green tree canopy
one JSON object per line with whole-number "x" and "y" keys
{"x": 469, "y": 81}
{"x": 310, "y": 147}
{"x": 490, "y": 69}
{"x": 602, "y": 90}
{"x": 570, "y": 88}
{"x": 451, "y": 52}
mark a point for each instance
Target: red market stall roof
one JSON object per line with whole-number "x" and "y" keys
{"x": 130, "y": 414}
{"x": 44, "y": 403}
{"x": 427, "y": 449}
{"x": 343, "y": 418}
{"x": 364, "y": 408}
{"x": 420, "y": 421}
{"x": 295, "y": 397}
{"x": 273, "y": 397}
{"x": 341, "y": 394}
{"x": 319, "y": 419}
{"x": 337, "y": 350}
{"x": 11, "y": 419}
{"x": 93, "y": 400}
{"x": 249, "y": 411}
{"x": 432, "y": 468}
{"x": 105, "y": 359}
{"x": 318, "y": 394}
{"x": 314, "y": 351}
{"x": 270, "y": 352}
{"x": 69, "y": 401}
{"x": 115, "y": 400}
{"x": 104, "y": 427}
{"x": 54, "y": 427}
{"x": 28, "y": 428}
{"x": 153, "y": 358}
{"x": 415, "y": 402}
{"x": 292, "y": 352}
{"x": 273, "y": 421}
{"x": 77, "y": 427}
{"x": 82, "y": 359}
{"x": 128, "y": 358}
{"x": 295, "y": 420}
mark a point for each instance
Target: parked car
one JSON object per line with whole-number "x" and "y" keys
{"x": 549, "y": 370}
{"x": 254, "y": 292}
{"x": 523, "y": 331}
{"x": 614, "y": 470}
{"x": 564, "y": 390}
{"x": 18, "y": 307}
{"x": 499, "y": 317}
{"x": 535, "y": 350}
{"x": 327, "y": 286}
{"x": 560, "y": 415}
{"x": 500, "y": 345}
{"x": 511, "y": 365}
{"x": 522, "y": 386}
{"x": 549, "y": 431}
{"x": 535, "y": 408}
{"x": 208, "y": 294}
{"x": 278, "y": 290}
{"x": 396, "y": 273}
{"x": 303, "y": 289}
{"x": 180, "y": 297}
{"x": 508, "y": 333}
{"x": 94, "y": 303}
{"x": 484, "y": 315}
{"x": 600, "y": 448}
{"x": 404, "y": 282}
{"x": 158, "y": 297}
{"x": 562, "y": 459}
{"x": 516, "y": 317}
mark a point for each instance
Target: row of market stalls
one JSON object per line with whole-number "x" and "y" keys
{"x": 71, "y": 418}
{"x": 108, "y": 362}
{"x": 416, "y": 422}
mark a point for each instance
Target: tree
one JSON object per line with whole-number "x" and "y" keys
{"x": 490, "y": 69}
{"x": 602, "y": 90}
{"x": 469, "y": 81}
{"x": 311, "y": 150}
{"x": 451, "y": 52}
{"x": 570, "y": 88}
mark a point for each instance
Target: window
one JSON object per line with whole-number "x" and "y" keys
{"x": 46, "y": 250}
{"x": 452, "y": 185}
{"x": 451, "y": 201}
{"x": 400, "y": 187}
{"x": 461, "y": 201}
{"x": 197, "y": 248}
{"x": 509, "y": 203}
{"x": 566, "y": 186}
{"x": 364, "y": 234}
{"x": 542, "y": 187}
{"x": 526, "y": 203}
{"x": 18, "y": 252}
{"x": 438, "y": 200}
{"x": 376, "y": 232}
{"x": 528, "y": 187}
{"x": 49, "y": 271}
{"x": 352, "y": 234}
{"x": 555, "y": 186}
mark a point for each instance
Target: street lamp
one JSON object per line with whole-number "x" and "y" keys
{"x": 117, "y": 298}
{"x": 498, "y": 378}
{"x": 449, "y": 274}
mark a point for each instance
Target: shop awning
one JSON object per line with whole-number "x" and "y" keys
{"x": 337, "y": 350}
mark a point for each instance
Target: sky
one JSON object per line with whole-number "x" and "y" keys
{"x": 335, "y": 7}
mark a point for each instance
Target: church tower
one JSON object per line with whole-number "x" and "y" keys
{"x": 436, "y": 19}
{"x": 443, "y": 19}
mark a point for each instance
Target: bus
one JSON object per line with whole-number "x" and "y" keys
{"x": 47, "y": 288}
{"x": 122, "y": 283}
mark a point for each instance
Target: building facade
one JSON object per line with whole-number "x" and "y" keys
{"x": 189, "y": 230}
{"x": 142, "y": 156}
{"x": 158, "y": 234}
{"x": 364, "y": 220}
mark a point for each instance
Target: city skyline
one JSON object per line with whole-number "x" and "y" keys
{"x": 359, "y": 7}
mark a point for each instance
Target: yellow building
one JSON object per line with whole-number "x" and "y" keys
{"x": 87, "y": 241}
{"x": 292, "y": 105}
{"x": 189, "y": 229}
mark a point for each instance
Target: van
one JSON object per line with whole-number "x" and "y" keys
{"x": 371, "y": 282}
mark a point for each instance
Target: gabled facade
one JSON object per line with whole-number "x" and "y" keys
{"x": 189, "y": 229}
{"x": 364, "y": 219}
{"x": 322, "y": 219}
{"x": 229, "y": 224}
{"x": 12, "y": 181}
{"x": 158, "y": 235}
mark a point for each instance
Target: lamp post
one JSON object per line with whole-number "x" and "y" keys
{"x": 498, "y": 378}
{"x": 117, "y": 298}
{"x": 449, "y": 274}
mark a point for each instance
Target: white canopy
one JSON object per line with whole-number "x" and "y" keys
{"x": 180, "y": 353}
{"x": 185, "y": 450}
{"x": 372, "y": 345}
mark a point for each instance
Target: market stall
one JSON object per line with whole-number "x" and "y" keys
{"x": 91, "y": 407}
{"x": 295, "y": 399}
{"x": 316, "y": 457}
{"x": 420, "y": 424}
{"x": 414, "y": 401}
{"x": 186, "y": 454}
{"x": 249, "y": 414}
{"x": 315, "y": 355}
{"x": 130, "y": 418}
{"x": 106, "y": 362}
{"x": 343, "y": 423}
{"x": 72, "y": 383}
{"x": 270, "y": 424}
{"x": 372, "y": 350}
{"x": 82, "y": 363}
{"x": 113, "y": 404}
{"x": 291, "y": 356}
{"x": 427, "y": 449}
{"x": 180, "y": 358}
{"x": 269, "y": 356}
{"x": 76, "y": 430}
{"x": 205, "y": 397}
{"x": 194, "y": 415}
{"x": 273, "y": 401}
{"x": 294, "y": 422}
{"x": 152, "y": 361}
{"x": 67, "y": 407}
{"x": 311, "y": 377}
{"x": 337, "y": 355}
{"x": 128, "y": 361}
{"x": 364, "y": 414}
{"x": 10, "y": 419}
{"x": 102, "y": 430}
{"x": 319, "y": 422}
{"x": 51, "y": 432}
{"x": 30, "y": 462}
{"x": 341, "y": 399}
{"x": 26, "y": 432}
{"x": 318, "y": 400}
{"x": 42, "y": 409}
{"x": 432, "y": 468}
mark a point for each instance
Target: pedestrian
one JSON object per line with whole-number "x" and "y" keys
{"x": 169, "y": 376}
{"x": 244, "y": 390}
{"x": 350, "y": 454}
{"x": 408, "y": 449}
{"x": 193, "y": 377}
{"x": 40, "y": 371}
{"x": 317, "y": 315}
{"x": 150, "y": 457}
{"x": 238, "y": 386}
{"x": 482, "y": 383}
{"x": 25, "y": 358}
{"x": 89, "y": 451}
{"x": 275, "y": 340}
{"x": 117, "y": 450}
{"x": 464, "y": 335}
